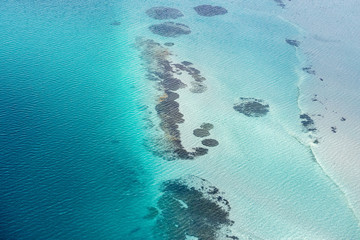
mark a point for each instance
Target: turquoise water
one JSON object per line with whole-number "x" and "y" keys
{"x": 72, "y": 93}
{"x": 71, "y": 136}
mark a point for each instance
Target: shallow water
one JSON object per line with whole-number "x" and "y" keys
{"x": 73, "y": 90}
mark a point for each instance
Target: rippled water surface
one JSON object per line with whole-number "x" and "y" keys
{"x": 78, "y": 122}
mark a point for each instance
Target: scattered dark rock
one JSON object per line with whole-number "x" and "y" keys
{"x": 316, "y": 141}
{"x": 170, "y": 29}
{"x": 207, "y": 126}
{"x": 214, "y": 190}
{"x": 152, "y": 213}
{"x": 314, "y": 99}
{"x": 210, "y": 142}
{"x": 294, "y": 43}
{"x": 321, "y": 79}
{"x": 280, "y": 3}
{"x": 334, "y": 129}
{"x": 252, "y": 107}
{"x": 169, "y": 44}
{"x": 199, "y": 132}
{"x": 309, "y": 70}
{"x": 209, "y": 11}
{"x": 307, "y": 122}
{"x": 162, "y": 13}
{"x": 343, "y": 119}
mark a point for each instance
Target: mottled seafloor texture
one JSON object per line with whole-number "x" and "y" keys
{"x": 170, "y": 120}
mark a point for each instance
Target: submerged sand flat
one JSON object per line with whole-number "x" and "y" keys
{"x": 226, "y": 98}
{"x": 332, "y": 47}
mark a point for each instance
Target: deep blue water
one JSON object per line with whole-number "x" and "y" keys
{"x": 70, "y": 132}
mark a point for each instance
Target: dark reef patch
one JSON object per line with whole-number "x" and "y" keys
{"x": 294, "y": 43}
{"x": 191, "y": 206}
{"x": 309, "y": 70}
{"x": 172, "y": 83}
{"x": 186, "y": 63}
{"x": 207, "y": 126}
{"x": 199, "y": 132}
{"x": 169, "y": 44}
{"x": 170, "y": 29}
{"x": 161, "y": 70}
{"x": 171, "y": 96}
{"x": 280, "y": 3}
{"x": 252, "y": 107}
{"x": 198, "y": 87}
{"x": 209, "y": 11}
{"x": 307, "y": 122}
{"x": 210, "y": 142}
{"x": 334, "y": 129}
{"x": 199, "y": 151}
{"x": 162, "y": 13}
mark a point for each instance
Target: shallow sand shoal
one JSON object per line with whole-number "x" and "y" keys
{"x": 332, "y": 47}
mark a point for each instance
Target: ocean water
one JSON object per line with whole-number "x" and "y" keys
{"x": 73, "y": 94}
{"x": 72, "y": 155}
